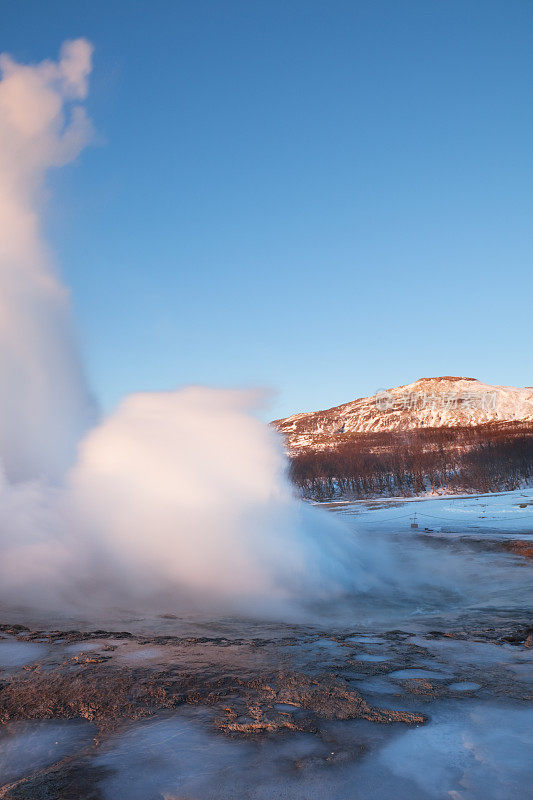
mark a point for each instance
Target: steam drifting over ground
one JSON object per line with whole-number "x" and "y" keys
{"x": 179, "y": 499}
{"x": 185, "y": 493}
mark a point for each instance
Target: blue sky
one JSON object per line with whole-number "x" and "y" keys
{"x": 323, "y": 198}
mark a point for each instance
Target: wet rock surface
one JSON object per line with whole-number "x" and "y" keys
{"x": 248, "y": 689}
{"x": 423, "y": 700}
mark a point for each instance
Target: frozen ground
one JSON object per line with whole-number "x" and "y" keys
{"x": 502, "y": 514}
{"x": 420, "y": 694}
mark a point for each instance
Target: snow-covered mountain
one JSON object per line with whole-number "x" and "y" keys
{"x": 427, "y": 403}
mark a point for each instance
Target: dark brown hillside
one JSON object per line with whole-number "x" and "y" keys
{"x": 484, "y": 458}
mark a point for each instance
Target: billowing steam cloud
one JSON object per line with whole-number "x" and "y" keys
{"x": 185, "y": 492}
{"x": 178, "y": 496}
{"x": 44, "y": 402}
{"x": 178, "y": 500}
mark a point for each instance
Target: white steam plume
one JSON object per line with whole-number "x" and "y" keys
{"x": 44, "y": 402}
{"x": 179, "y": 496}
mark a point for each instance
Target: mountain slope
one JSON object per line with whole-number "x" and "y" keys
{"x": 445, "y": 402}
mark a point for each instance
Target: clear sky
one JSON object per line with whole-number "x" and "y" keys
{"x": 323, "y": 198}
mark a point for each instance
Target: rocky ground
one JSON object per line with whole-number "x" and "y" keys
{"x": 255, "y": 689}
{"x": 424, "y": 695}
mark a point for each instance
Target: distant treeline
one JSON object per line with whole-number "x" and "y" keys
{"x": 486, "y": 458}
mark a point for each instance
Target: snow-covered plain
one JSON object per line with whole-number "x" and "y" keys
{"x": 495, "y": 515}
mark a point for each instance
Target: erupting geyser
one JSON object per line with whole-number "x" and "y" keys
{"x": 179, "y": 495}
